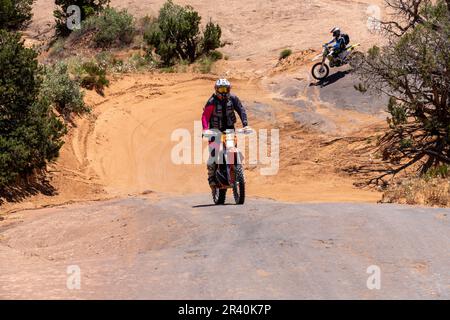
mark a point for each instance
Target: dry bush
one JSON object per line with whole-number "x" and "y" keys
{"x": 421, "y": 191}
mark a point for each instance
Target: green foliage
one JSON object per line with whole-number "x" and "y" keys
{"x": 215, "y": 55}
{"x": 412, "y": 70}
{"x": 406, "y": 143}
{"x": 145, "y": 22}
{"x": 138, "y": 62}
{"x": 107, "y": 60}
{"x": 205, "y": 64}
{"x": 441, "y": 171}
{"x": 15, "y": 14}
{"x": 87, "y": 7}
{"x": 92, "y": 76}
{"x": 285, "y": 53}
{"x": 57, "y": 48}
{"x": 211, "y": 37}
{"x": 170, "y": 69}
{"x": 135, "y": 63}
{"x": 176, "y": 35}
{"x": 397, "y": 112}
{"x": 360, "y": 87}
{"x": 111, "y": 28}
{"x": 75, "y": 66}
{"x": 30, "y": 133}
{"x": 374, "y": 52}
{"x": 63, "y": 93}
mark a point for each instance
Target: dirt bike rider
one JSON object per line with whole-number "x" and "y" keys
{"x": 218, "y": 113}
{"x": 339, "y": 42}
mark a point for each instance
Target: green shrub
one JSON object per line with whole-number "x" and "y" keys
{"x": 112, "y": 28}
{"x": 441, "y": 171}
{"x": 182, "y": 66}
{"x": 92, "y": 76}
{"x": 87, "y": 7}
{"x": 215, "y": 55}
{"x": 211, "y": 37}
{"x": 63, "y": 93}
{"x": 136, "y": 62}
{"x": 57, "y": 47}
{"x": 360, "y": 87}
{"x": 170, "y": 69}
{"x": 205, "y": 64}
{"x": 30, "y": 133}
{"x": 144, "y": 23}
{"x": 75, "y": 66}
{"x": 15, "y": 14}
{"x": 119, "y": 67}
{"x": 285, "y": 53}
{"x": 105, "y": 58}
{"x": 406, "y": 143}
{"x": 176, "y": 35}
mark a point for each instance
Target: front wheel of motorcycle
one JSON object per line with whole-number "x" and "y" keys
{"x": 219, "y": 195}
{"x": 239, "y": 185}
{"x": 320, "y": 71}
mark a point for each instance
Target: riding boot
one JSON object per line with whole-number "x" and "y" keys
{"x": 212, "y": 175}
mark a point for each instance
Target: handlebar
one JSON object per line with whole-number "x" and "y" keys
{"x": 213, "y": 133}
{"x": 210, "y": 133}
{"x": 245, "y": 131}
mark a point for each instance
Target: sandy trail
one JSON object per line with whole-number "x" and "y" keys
{"x": 129, "y": 145}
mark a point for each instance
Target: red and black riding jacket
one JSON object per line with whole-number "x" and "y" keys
{"x": 219, "y": 114}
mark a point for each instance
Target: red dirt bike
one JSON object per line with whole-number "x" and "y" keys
{"x": 229, "y": 172}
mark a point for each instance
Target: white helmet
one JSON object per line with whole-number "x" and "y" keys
{"x": 222, "y": 83}
{"x": 223, "y": 87}
{"x": 336, "y": 31}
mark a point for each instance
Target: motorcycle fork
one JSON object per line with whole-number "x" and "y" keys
{"x": 323, "y": 62}
{"x": 231, "y": 158}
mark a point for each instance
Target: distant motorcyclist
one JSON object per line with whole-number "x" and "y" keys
{"x": 218, "y": 113}
{"x": 340, "y": 41}
{"x": 341, "y": 53}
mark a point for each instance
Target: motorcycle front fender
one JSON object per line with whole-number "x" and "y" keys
{"x": 234, "y": 156}
{"x": 320, "y": 56}
{"x": 353, "y": 47}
